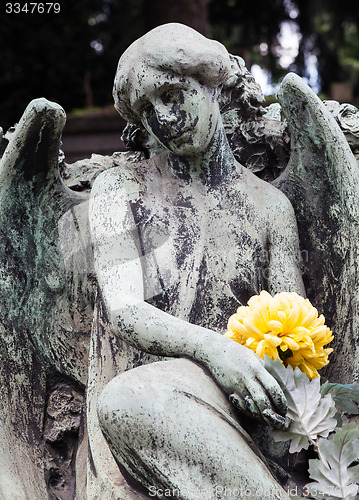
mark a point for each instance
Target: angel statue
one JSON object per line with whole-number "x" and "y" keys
{"x": 179, "y": 243}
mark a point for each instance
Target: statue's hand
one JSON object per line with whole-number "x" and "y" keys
{"x": 251, "y": 389}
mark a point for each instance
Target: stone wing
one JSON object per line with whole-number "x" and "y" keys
{"x": 322, "y": 183}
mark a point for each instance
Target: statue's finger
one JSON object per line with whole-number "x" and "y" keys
{"x": 275, "y": 394}
{"x": 245, "y": 404}
{"x": 274, "y": 419}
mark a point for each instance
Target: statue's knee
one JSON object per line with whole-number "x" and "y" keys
{"x": 119, "y": 405}
{"x": 131, "y": 407}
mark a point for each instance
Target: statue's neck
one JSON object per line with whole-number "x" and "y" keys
{"x": 211, "y": 166}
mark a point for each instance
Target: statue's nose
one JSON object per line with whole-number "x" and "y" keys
{"x": 165, "y": 115}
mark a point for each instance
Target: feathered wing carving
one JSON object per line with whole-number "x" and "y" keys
{"x": 41, "y": 330}
{"x": 47, "y": 301}
{"x": 322, "y": 183}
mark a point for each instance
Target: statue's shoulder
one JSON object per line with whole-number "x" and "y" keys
{"x": 127, "y": 176}
{"x": 264, "y": 193}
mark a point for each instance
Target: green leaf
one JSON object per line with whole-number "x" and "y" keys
{"x": 333, "y": 477}
{"x": 310, "y": 414}
{"x": 345, "y": 396}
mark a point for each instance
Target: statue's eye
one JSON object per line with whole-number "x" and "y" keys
{"x": 169, "y": 96}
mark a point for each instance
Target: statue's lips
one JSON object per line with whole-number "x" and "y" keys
{"x": 181, "y": 136}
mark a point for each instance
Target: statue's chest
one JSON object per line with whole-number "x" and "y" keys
{"x": 200, "y": 260}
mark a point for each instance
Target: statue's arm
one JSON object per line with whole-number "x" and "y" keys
{"x": 284, "y": 273}
{"x": 118, "y": 265}
{"x": 119, "y": 272}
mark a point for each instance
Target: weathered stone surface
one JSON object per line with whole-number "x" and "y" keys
{"x": 80, "y": 176}
{"x": 62, "y": 425}
{"x": 108, "y": 357}
{"x": 181, "y": 240}
{"x": 322, "y": 181}
{"x": 347, "y": 116}
{"x": 46, "y": 309}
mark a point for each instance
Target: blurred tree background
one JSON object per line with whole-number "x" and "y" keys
{"x": 71, "y": 57}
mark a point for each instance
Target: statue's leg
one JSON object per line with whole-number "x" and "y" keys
{"x": 171, "y": 427}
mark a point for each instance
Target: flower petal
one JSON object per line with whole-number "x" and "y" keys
{"x": 275, "y": 326}
{"x": 273, "y": 340}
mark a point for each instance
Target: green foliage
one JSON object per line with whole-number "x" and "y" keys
{"x": 55, "y": 56}
{"x": 310, "y": 415}
{"x": 242, "y": 26}
{"x": 312, "y": 419}
{"x": 344, "y": 396}
{"x": 335, "y": 475}
{"x": 330, "y": 30}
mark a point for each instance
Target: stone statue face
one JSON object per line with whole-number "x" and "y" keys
{"x": 180, "y": 113}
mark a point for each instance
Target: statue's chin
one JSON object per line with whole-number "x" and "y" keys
{"x": 186, "y": 146}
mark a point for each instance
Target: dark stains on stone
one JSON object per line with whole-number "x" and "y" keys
{"x": 202, "y": 297}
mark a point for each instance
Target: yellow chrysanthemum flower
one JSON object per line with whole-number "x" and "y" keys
{"x": 285, "y": 326}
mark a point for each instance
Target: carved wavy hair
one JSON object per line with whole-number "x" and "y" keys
{"x": 178, "y": 49}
